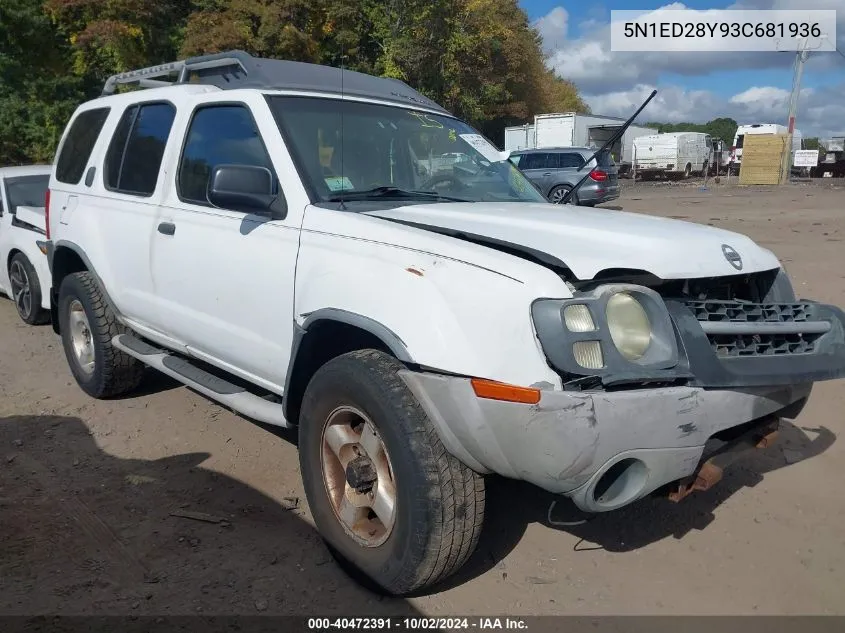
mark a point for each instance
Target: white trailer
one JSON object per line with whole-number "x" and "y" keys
{"x": 674, "y": 154}
{"x": 571, "y": 129}
{"x": 760, "y": 128}
{"x": 519, "y": 137}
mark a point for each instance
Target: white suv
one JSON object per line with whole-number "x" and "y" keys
{"x": 279, "y": 237}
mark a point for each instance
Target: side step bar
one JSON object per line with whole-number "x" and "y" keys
{"x": 211, "y": 386}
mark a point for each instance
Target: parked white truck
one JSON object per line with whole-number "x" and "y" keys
{"x": 673, "y": 155}
{"x": 571, "y": 129}
{"x": 261, "y": 232}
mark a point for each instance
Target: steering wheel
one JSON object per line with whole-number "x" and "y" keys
{"x": 429, "y": 184}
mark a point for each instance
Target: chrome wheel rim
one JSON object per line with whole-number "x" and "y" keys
{"x": 358, "y": 476}
{"x": 80, "y": 337}
{"x": 21, "y": 289}
{"x": 557, "y": 195}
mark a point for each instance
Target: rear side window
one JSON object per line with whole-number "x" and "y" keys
{"x": 535, "y": 161}
{"x": 569, "y": 161}
{"x": 26, "y": 191}
{"x": 137, "y": 147}
{"x": 739, "y": 140}
{"x": 78, "y": 145}
{"x": 218, "y": 135}
{"x": 603, "y": 160}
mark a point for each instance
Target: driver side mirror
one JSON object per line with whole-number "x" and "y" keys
{"x": 246, "y": 188}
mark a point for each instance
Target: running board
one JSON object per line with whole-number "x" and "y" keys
{"x": 211, "y": 386}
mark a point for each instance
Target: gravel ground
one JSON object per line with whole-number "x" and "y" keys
{"x": 91, "y": 491}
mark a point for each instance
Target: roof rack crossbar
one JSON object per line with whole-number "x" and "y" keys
{"x": 154, "y": 76}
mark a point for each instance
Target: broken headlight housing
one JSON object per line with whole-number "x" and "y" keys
{"x": 614, "y": 329}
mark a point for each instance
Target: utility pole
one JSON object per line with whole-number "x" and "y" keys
{"x": 786, "y": 164}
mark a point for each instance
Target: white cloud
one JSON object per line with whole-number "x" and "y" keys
{"x": 553, "y": 28}
{"x": 588, "y": 61}
{"x": 616, "y": 83}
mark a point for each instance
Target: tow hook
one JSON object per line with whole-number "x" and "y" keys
{"x": 710, "y": 471}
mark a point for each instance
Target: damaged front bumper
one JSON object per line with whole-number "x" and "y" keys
{"x": 602, "y": 449}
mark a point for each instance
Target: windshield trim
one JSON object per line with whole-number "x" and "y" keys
{"x": 336, "y": 96}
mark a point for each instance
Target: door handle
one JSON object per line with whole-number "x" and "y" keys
{"x": 548, "y": 173}
{"x": 167, "y": 228}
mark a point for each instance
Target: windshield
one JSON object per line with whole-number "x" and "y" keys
{"x": 376, "y": 152}
{"x": 26, "y": 191}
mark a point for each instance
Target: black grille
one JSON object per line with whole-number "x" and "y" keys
{"x": 735, "y": 345}
{"x": 756, "y": 344}
{"x": 747, "y": 312}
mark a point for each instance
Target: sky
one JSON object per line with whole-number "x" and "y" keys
{"x": 693, "y": 87}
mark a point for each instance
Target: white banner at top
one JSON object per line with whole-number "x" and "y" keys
{"x": 723, "y": 30}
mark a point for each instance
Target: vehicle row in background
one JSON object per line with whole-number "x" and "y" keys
{"x": 24, "y": 273}
{"x": 573, "y": 130}
{"x": 556, "y": 172}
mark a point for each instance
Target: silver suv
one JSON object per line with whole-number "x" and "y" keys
{"x": 557, "y": 171}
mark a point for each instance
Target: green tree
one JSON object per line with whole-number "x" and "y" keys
{"x": 38, "y": 90}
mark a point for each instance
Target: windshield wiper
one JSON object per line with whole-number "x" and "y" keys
{"x": 392, "y": 192}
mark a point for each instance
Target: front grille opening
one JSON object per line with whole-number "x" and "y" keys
{"x": 746, "y": 312}
{"x": 739, "y": 345}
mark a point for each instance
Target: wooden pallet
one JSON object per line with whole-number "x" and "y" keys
{"x": 762, "y": 155}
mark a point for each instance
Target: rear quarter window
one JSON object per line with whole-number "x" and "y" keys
{"x": 605, "y": 159}
{"x": 78, "y": 145}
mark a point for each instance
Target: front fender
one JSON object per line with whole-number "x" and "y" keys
{"x": 449, "y": 315}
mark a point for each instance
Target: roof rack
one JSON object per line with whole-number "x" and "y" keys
{"x": 147, "y": 77}
{"x": 237, "y": 69}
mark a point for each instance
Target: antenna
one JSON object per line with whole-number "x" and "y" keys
{"x": 615, "y": 137}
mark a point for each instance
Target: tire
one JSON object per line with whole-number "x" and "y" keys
{"x": 687, "y": 171}
{"x": 438, "y": 502}
{"x": 25, "y": 291}
{"x": 704, "y": 170}
{"x": 557, "y": 193}
{"x": 84, "y": 316}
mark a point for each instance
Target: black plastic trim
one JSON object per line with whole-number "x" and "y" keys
{"x": 139, "y": 346}
{"x": 81, "y": 253}
{"x": 200, "y": 376}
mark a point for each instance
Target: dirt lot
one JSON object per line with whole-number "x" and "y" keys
{"x": 87, "y": 489}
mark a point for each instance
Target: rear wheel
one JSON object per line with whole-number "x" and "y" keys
{"x": 26, "y": 291}
{"x": 88, "y": 326}
{"x": 687, "y": 171}
{"x": 390, "y": 502}
{"x": 557, "y": 194}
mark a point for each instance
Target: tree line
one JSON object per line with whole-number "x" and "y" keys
{"x": 481, "y": 59}
{"x": 723, "y": 128}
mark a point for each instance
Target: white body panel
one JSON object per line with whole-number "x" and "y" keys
{"x": 589, "y": 241}
{"x": 763, "y": 128}
{"x": 585, "y": 130}
{"x": 15, "y": 239}
{"x": 671, "y": 153}
{"x": 519, "y": 137}
{"x": 555, "y": 130}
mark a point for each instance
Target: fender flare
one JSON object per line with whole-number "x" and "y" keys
{"x": 54, "y": 287}
{"x": 387, "y": 336}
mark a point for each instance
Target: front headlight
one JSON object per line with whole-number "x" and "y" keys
{"x": 629, "y": 326}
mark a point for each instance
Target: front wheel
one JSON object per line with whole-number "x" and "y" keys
{"x": 385, "y": 495}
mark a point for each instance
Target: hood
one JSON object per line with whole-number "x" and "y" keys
{"x": 588, "y": 241}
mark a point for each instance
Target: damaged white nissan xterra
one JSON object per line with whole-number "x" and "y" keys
{"x": 330, "y": 250}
